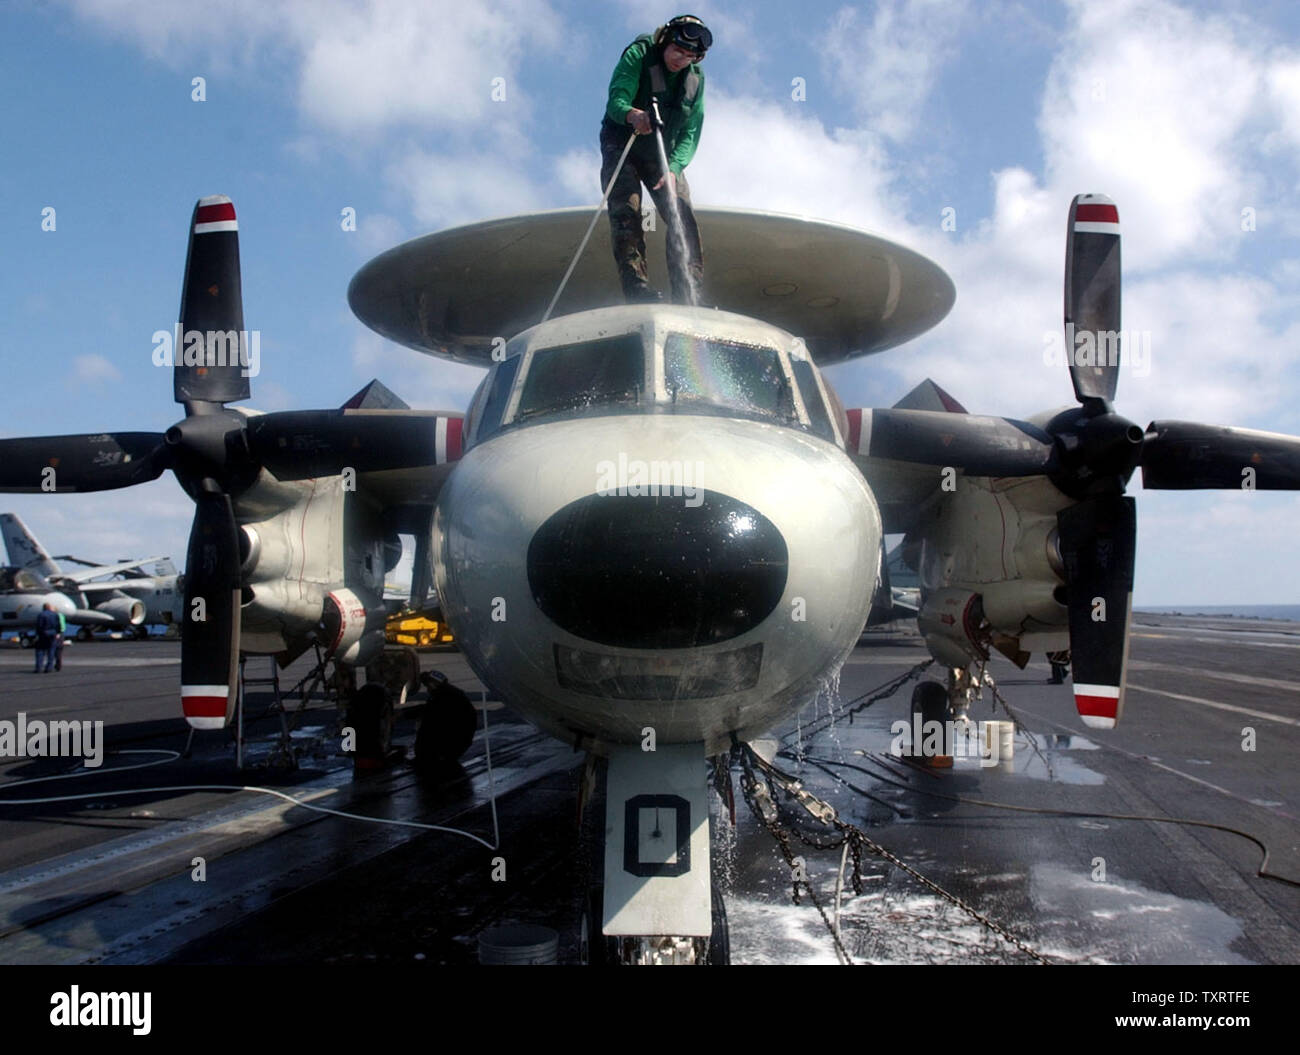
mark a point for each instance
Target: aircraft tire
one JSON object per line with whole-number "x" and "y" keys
{"x": 84, "y": 633}
{"x": 447, "y": 726}
{"x": 930, "y": 700}
{"x": 720, "y": 939}
{"x": 594, "y": 949}
{"x": 370, "y": 713}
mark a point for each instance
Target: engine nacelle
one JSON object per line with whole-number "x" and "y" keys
{"x": 125, "y": 610}
{"x": 353, "y": 622}
{"x": 951, "y": 619}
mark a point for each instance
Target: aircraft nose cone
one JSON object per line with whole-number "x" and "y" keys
{"x": 657, "y": 572}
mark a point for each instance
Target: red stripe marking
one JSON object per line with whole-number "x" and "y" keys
{"x": 949, "y": 404}
{"x": 204, "y": 706}
{"x": 1097, "y": 214}
{"x": 855, "y": 429}
{"x": 455, "y": 426}
{"x": 213, "y": 213}
{"x": 1098, "y": 706}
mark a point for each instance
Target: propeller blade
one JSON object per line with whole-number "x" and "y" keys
{"x": 981, "y": 446}
{"x": 212, "y": 353}
{"x": 1098, "y": 538}
{"x": 1181, "y": 455}
{"x": 1092, "y": 296}
{"x": 210, "y": 641}
{"x": 298, "y": 444}
{"x": 99, "y": 462}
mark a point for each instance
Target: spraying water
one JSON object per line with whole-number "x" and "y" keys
{"x": 676, "y": 233}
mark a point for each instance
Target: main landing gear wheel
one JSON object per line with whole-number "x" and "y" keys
{"x": 720, "y": 939}
{"x": 594, "y": 948}
{"x": 84, "y": 633}
{"x": 448, "y": 725}
{"x": 931, "y": 701}
{"x": 370, "y": 714}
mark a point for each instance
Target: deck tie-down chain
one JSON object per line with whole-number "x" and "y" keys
{"x": 762, "y": 785}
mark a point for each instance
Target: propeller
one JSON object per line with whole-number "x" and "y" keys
{"x": 1089, "y": 452}
{"x": 217, "y": 452}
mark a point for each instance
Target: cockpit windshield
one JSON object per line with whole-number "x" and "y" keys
{"x": 622, "y": 374}
{"x": 21, "y": 580}
{"x": 574, "y": 378}
{"x": 702, "y": 372}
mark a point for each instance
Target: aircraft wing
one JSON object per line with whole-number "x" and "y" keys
{"x": 903, "y": 490}
{"x": 82, "y": 575}
{"x": 118, "y": 584}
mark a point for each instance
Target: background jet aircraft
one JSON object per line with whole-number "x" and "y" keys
{"x": 118, "y": 599}
{"x": 655, "y": 520}
{"x": 23, "y": 593}
{"x": 155, "y": 583}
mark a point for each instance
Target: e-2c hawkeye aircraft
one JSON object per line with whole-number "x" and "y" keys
{"x": 656, "y": 526}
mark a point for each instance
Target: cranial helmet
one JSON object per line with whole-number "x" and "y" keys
{"x": 686, "y": 31}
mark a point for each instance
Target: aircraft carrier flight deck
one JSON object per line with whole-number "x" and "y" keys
{"x": 1074, "y": 851}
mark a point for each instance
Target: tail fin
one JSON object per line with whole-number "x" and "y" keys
{"x": 929, "y": 396}
{"x": 23, "y": 549}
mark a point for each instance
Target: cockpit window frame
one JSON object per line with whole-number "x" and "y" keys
{"x": 510, "y": 419}
{"x": 664, "y": 397}
{"x": 823, "y": 392}
{"x": 654, "y": 397}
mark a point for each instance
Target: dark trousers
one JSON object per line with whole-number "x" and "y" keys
{"x": 44, "y": 654}
{"x": 685, "y": 259}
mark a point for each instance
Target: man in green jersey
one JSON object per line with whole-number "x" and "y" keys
{"x": 664, "y": 65}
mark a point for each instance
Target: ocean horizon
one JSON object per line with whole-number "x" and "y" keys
{"x": 1290, "y": 612}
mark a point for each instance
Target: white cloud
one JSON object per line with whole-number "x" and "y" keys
{"x": 446, "y": 190}
{"x": 94, "y": 370}
{"x": 805, "y": 169}
{"x": 359, "y": 65}
{"x": 1155, "y": 106}
{"x": 885, "y": 66}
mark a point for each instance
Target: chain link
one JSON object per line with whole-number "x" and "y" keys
{"x": 760, "y": 795}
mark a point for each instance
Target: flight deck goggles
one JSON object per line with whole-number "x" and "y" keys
{"x": 691, "y": 36}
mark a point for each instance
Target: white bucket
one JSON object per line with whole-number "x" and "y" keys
{"x": 999, "y": 740}
{"x": 522, "y": 943}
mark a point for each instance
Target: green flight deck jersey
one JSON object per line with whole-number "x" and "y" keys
{"x": 681, "y": 99}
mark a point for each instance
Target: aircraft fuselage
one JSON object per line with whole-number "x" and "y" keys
{"x": 655, "y": 526}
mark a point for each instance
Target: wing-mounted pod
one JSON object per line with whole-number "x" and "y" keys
{"x": 952, "y": 621}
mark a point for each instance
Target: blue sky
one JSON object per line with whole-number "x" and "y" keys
{"x": 1185, "y": 113}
